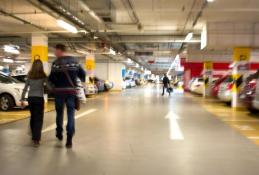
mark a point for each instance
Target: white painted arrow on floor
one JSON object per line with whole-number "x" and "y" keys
{"x": 52, "y": 127}
{"x": 175, "y": 130}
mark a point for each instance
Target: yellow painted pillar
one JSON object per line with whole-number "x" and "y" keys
{"x": 241, "y": 57}
{"x": 39, "y": 50}
{"x": 207, "y": 76}
{"x": 90, "y": 65}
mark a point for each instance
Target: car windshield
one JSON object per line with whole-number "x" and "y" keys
{"x": 6, "y": 79}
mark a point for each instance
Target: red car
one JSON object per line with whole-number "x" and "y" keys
{"x": 215, "y": 87}
{"x": 247, "y": 95}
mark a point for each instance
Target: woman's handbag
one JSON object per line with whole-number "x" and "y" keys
{"x": 77, "y": 100}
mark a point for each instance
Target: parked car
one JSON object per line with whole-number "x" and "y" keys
{"x": 190, "y": 83}
{"x": 197, "y": 85}
{"x": 10, "y": 92}
{"x": 247, "y": 96}
{"x": 91, "y": 89}
{"x": 101, "y": 85}
{"x": 225, "y": 90}
{"x": 216, "y": 85}
{"x": 108, "y": 85}
{"x": 21, "y": 78}
{"x": 129, "y": 82}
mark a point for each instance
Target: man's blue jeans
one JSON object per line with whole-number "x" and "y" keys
{"x": 60, "y": 102}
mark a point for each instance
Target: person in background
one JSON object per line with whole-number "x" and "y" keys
{"x": 166, "y": 85}
{"x": 65, "y": 71}
{"x": 35, "y": 83}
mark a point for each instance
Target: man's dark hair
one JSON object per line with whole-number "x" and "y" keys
{"x": 61, "y": 47}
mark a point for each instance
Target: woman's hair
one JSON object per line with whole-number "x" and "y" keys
{"x": 37, "y": 70}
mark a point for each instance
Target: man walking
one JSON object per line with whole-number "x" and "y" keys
{"x": 64, "y": 73}
{"x": 166, "y": 85}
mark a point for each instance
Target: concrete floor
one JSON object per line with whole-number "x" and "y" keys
{"x": 129, "y": 134}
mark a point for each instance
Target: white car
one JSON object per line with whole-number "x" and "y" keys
{"x": 10, "y": 92}
{"x": 225, "y": 90}
{"x": 129, "y": 82}
{"x": 197, "y": 85}
{"x": 91, "y": 89}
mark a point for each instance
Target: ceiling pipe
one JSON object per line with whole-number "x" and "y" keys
{"x": 90, "y": 12}
{"x": 128, "y": 4}
{"x": 204, "y": 5}
{"x": 22, "y": 20}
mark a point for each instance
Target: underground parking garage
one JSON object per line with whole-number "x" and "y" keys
{"x": 129, "y": 87}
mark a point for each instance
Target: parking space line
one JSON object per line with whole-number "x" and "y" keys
{"x": 53, "y": 126}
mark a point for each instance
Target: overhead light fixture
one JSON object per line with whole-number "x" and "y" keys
{"x": 112, "y": 52}
{"x": 210, "y": 0}
{"x": 6, "y": 60}
{"x": 129, "y": 60}
{"x": 188, "y": 37}
{"x": 67, "y": 26}
{"x": 11, "y": 49}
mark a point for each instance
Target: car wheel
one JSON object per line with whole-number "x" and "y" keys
{"x": 6, "y": 102}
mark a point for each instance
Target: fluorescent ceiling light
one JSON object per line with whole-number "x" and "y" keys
{"x": 129, "y": 60}
{"x": 112, "y": 52}
{"x": 6, "y": 60}
{"x": 11, "y": 49}
{"x": 210, "y": 0}
{"x": 184, "y": 41}
{"x": 188, "y": 37}
{"x": 66, "y": 26}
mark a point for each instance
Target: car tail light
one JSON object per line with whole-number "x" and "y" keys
{"x": 230, "y": 86}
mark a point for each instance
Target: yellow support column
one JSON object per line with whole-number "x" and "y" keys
{"x": 39, "y": 50}
{"x": 241, "y": 59}
{"x": 90, "y": 66}
{"x": 207, "y": 76}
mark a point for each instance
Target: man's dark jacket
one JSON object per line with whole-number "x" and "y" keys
{"x": 166, "y": 81}
{"x": 58, "y": 77}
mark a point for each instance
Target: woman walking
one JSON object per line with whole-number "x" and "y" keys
{"x": 35, "y": 83}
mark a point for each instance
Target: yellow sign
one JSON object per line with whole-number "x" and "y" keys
{"x": 90, "y": 64}
{"x": 39, "y": 53}
{"x": 208, "y": 65}
{"x": 241, "y": 54}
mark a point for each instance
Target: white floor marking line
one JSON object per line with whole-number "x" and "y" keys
{"x": 254, "y": 138}
{"x": 255, "y": 120}
{"x": 175, "y": 130}
{"x": 244, "y": 127}
{"x": 52, "y": 127}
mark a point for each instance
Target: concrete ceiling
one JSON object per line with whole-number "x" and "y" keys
{"x": 129, "y": 26}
